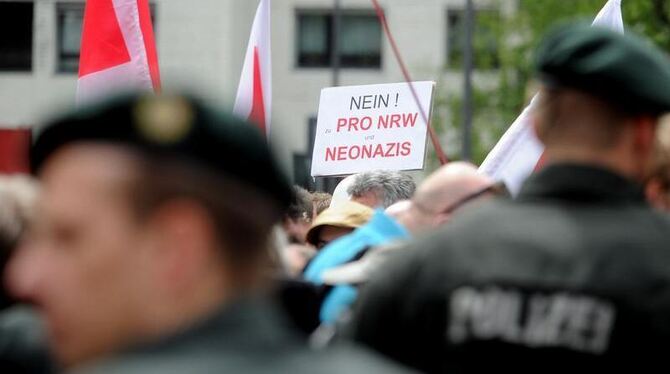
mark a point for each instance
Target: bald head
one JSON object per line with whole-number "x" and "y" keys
{"x": 398, "y": 209}
{"x": 442, "y": 193}
{"x": 449, "y": 185}
{"x": 403, "y": 212}
{"x": 340, "y": 193}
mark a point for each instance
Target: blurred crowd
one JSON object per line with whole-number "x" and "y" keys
{"x": 159, "y": 235}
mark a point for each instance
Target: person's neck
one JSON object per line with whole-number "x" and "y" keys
{"x": 179, "y": 310}
{"x": 610, "y": 160}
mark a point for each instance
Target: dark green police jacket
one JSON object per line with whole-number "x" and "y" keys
{"x": 573, "y": 276}
{"x": 247, "y": 337}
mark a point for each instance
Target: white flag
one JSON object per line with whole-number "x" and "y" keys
{"x": 254, "y": 93}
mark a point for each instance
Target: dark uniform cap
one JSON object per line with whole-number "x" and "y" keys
{"x": 622, "y": 69}
{"x": 173, "y": 126}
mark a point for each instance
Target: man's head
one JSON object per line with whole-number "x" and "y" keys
{"x": 602, "y": 93}
{"x": 147, "y": 222}
{"x": 381, "y": 188}
{"x": 299, "y": 216}
{"x": 444, "y": 192}
{"x": 337, "y": 221}
{"x": 321, "y": 201}
{"x": 341, "y": 192}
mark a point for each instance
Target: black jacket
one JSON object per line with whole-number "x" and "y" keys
{"x": 573, "y": 276}
{"x": 246, "y": 337}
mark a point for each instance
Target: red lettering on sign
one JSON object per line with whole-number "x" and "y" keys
{"x": 341, "y": 122}
{"x": 368, "y": 151}
{"x": 390, "y": 147}
{"x": 379, "y": 151}
{"x": 330, "y": 154}
{"x": 383, "y": 122}
{"x": 366, "y": 123}
{"x": 357, "y": 150}
{"x": 409, "y": 119}
{"x": 353, "y": 122}
{"x": 395, "y": 120}
{"x": 406, "y": 149}
{"x": 342, "y": 153}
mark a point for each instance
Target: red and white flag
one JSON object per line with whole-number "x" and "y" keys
{"x": 519, "y": 152}
{"x": 254, "y": 93}
{"x": 118, "y": 51}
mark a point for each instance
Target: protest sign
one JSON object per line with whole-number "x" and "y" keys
{"x": 371, "y": 127}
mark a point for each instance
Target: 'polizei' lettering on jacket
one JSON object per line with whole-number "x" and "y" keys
{"x": 559, "y": 320}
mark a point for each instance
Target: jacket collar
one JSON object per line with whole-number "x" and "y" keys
{"x": 581, "y": 183}
{"x": 255, "y": 321}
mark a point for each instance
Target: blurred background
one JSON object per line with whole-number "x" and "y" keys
{"x": 315, "y": 44}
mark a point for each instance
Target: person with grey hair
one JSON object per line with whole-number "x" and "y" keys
{"x": 381, "y": 188}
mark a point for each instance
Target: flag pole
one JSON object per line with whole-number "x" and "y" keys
{"x": 433, "y": 136}
{"x": 328, "y": 184}
{"x": 467, "y": 81}
{"x": 335, "y": 34}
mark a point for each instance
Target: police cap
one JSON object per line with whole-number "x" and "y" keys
{"x": 179, "y": 126}
{"x": 621, "y": 69}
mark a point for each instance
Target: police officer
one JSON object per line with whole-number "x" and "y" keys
{"x": 573, "y": 276}
{"x": 150, "y": 249}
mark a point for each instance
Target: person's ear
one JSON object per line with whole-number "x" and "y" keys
{"x": 183, "y": 241}
{"x": 645, "y": 134}
{"x": 657, "y": 195}
{"x": 535, "y": 117}
{"x": 537, "y": 127}
{"x": 652, "y": 191}
{"x": 644, "y": 143}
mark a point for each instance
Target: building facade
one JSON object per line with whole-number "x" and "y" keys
{"x": 201, "y": 45}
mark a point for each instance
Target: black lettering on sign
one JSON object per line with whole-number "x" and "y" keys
{"x": 369, "y": 102}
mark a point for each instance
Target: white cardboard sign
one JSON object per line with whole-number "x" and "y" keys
{"x": 361, "y": 128}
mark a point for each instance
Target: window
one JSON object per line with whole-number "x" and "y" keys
{"x": 70, "y": 21}
{"x": 302, "y": 162}
{"x": 70, "y": 18}
{"x": 359, "y": 40}
{"x": 16, "y": 36}
{"x": 485, "y": 48}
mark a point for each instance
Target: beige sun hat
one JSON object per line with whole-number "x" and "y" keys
{"x": 347, "y": 214}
